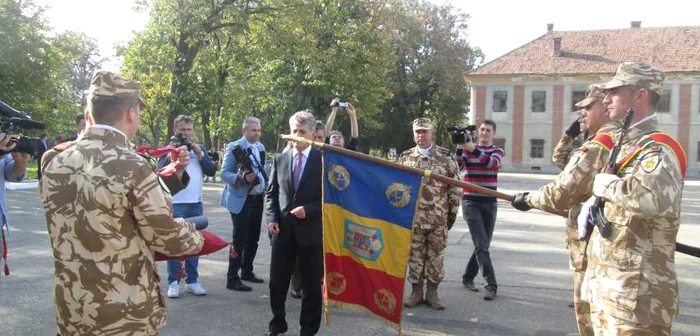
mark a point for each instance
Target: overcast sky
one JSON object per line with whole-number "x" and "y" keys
{"x": 497, "y": 27}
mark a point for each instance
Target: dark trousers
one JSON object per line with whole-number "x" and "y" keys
{"x": 246, "y": 234}
{"x": 481, "y": 219}
{"x": 284, "y": 255}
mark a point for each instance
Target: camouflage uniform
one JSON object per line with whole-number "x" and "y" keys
{"x": 437, "y": 202}
{"x": 591, "y": 151}
{"x": 631, "y": 279}
{"x": 106, "y": 216}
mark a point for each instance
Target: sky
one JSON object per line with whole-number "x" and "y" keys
{"x": 495, "y": 26}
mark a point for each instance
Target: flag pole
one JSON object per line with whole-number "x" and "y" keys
{"x": 421, "y": 172}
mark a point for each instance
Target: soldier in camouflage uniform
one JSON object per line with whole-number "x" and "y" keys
{"x": 437, "y": 210}
{"x": 631, "y": 279}
{"x": 106, "y": 216}
{"x": 573, "y": 186}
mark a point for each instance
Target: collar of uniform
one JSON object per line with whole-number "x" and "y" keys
{"x": 419, "y": 151}
{"x": 644, "y": 126}
{"x": 107, "y": 133}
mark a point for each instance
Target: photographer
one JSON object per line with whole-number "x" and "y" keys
{"x": 188, "y": 202}
{"x": 14, "y": 170}
{"x": 335, "y": 138}
{"x": 243, "y": 170}
{"x": 480, "y": 162}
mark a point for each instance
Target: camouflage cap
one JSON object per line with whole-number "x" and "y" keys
{"x": 637, "y": 74}
{"x": 422, "y": 123}
{"x": 594, "y": 94}
{"x": 109, "y": 84}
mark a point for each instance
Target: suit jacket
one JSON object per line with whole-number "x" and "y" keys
{"x": 236, "y": 189}
{"x": 281, "y": 198}
{"x": 106, "y": 216}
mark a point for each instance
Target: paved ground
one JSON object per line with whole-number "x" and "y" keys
{"x": 528, "y": 253}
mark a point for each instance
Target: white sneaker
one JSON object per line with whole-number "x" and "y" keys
{"x": 196, "y": 289}
{"x": 174, "y": 290}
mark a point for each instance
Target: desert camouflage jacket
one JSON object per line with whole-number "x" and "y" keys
{"x": 631, "y": 275}
{"x": 437, "y": 199}
{"x": 574, "y": 185}
{"x": 106, "y": 216}
{"x": 562, "y": 151}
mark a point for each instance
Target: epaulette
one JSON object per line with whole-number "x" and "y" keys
{"x": 444, "y": 151}
{"x": 406, "y": 152}
{"x": 604, "y": 140}
{"x": 63, "y": 146}
{"x": 665, "y": 140}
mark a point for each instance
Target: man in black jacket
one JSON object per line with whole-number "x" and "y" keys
{"x": 293, "y": 213}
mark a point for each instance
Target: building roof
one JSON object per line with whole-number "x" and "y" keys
{"x": 671, "y": 49}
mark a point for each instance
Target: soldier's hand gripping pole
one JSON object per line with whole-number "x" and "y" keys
{"x": 597, "y": 213}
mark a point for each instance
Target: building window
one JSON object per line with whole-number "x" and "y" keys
{"x": 576, "y": 97}
{"x": 500, "y": 101}
{"x": 664, "y": 104}
{"x": 499, "y": 142}
{"x": 539, "y": 101}
{"x": 536, "y": 148}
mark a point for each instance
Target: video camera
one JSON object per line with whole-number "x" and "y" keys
{"x": 12, "y": 121}
{"x": 462, "y": 135}
{"x": 243, "y": 158}
{"x": 179, "y": 140}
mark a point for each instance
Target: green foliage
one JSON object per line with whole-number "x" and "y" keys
{"x": 221, "y": 61}
{"x": 43, "y": 72}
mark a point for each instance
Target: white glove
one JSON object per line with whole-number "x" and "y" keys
{"x": 601, "y": 182}
{"x": 583, "y": 217}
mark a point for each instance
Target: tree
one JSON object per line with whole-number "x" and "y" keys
{"x": 42, "y": 72}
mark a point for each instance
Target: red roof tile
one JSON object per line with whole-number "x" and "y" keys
{"x": 671, "y": 49}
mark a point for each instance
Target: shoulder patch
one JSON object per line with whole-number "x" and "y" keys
{"x": 650, "y": 163}
{"x": 665, "y": 140}
{"x": 604, "y": 140}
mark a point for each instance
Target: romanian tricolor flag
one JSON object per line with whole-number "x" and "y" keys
{"x": 368, "y": 213}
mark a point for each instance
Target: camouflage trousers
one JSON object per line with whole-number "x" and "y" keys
{"x": 608, "y": 325}
{"x": 426, "y": 261}
{"x": 578, "y": 262}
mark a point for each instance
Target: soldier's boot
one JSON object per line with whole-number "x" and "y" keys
{"x": 431, "y": 297}
{"x": 416, "y": 295}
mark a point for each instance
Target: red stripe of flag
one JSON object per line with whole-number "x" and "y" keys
{"x": 349, "y": 282}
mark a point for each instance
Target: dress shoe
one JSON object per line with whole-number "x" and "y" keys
{"x": 251, "y": 277}
{"x": 295, "y": 293}
{"x": 470, "y": 285}
{"x": 238, "y": 285}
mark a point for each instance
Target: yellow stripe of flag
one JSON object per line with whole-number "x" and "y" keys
{"x": 393, "y": 256}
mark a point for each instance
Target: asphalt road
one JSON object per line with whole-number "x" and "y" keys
{"x": 528, "y": 253}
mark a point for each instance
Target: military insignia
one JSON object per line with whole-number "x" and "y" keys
{"x": 385, "y": 301}
{"x": 650, "y": 163}
{"x": 336, "y": 283}
{"x": 339, "y": 177}
{"x": 398, "y": 194}
{"x": 364, "y": 242}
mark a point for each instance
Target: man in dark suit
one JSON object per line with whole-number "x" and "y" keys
{"x": 293, "y": 213}
{"x": 79, "y": 127}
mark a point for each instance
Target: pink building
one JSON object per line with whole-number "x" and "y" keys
{"x": 530, "y": 91}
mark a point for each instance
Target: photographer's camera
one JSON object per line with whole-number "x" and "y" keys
{"x": 462, "y": 135}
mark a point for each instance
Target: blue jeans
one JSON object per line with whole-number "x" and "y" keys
{"x": 185, "y": 210}
{"x": 481, "y": 219}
